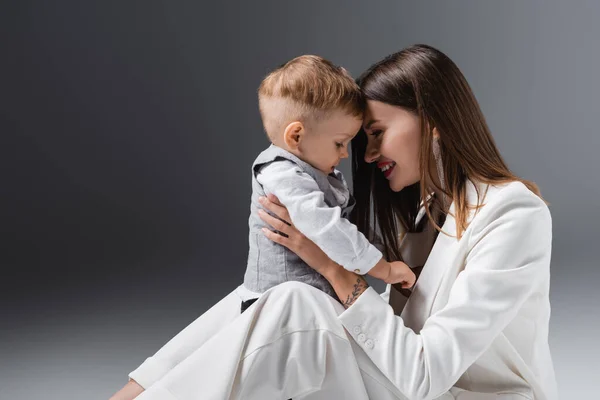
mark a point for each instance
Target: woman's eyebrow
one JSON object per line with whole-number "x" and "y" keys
{"x": 371, "y": 122}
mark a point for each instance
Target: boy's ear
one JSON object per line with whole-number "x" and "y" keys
{"x": 293, "y": 134}
{"x": 436, "y": 133}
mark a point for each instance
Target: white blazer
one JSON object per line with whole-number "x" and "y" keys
{"x": 477, "y": 320}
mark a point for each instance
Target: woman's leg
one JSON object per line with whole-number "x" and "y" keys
{"x": 289, "y": 344}
{"x": 130, "y": 391}
{"x": 181, "y": 346}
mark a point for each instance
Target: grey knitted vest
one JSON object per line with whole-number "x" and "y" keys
{"x": 270, "y": 263}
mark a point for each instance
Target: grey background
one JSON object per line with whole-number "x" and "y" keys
{"x": 127, "y": 133}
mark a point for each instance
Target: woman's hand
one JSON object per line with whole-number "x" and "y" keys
{"x": 287, "y": 235}
{"x": 347, "y": 285}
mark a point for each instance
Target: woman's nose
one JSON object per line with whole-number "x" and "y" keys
{"x": 372, "y": 153}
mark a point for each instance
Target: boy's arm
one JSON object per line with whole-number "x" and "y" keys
{"x": 305, "y": 202}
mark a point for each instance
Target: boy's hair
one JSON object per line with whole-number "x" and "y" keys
{"x": 306, "y": 89}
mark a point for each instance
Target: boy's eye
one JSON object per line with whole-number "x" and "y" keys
{"x": 376, "y": 132}
{"x": 339, "y": 145}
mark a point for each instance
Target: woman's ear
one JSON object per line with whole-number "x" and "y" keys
{"x": 436, "y": 134}
{"x": 293, "y": 134}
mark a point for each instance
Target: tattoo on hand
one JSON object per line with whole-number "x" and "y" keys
{"x": 360, "y": 286}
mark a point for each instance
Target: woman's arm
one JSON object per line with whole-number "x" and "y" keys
{"x": 347, "y": 285}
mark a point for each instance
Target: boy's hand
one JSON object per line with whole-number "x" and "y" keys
{"x": 381, "y": 270}
{"x": 394, "y": 272}
{"x": 402, "y": 274}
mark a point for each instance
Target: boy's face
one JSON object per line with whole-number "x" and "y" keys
{"x": 326, "y": 143}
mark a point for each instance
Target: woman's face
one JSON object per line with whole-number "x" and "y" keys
{"x": 394, "y": 143}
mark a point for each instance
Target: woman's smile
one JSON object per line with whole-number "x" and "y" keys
{"x": 387, "y": 168}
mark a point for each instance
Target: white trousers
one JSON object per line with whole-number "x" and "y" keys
{"x": 289, "y": 344}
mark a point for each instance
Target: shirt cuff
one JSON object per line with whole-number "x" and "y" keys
{"x": 365, "y": 262}
{"x": 386, "y": 295}
{"x": 149, "y": 372}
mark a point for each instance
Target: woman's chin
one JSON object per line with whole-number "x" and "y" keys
{"x": 396, "y": 187}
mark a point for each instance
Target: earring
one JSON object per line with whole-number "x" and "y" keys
{"x": 437, "y": 155}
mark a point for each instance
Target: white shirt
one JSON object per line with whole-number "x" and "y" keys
{"x": 335, "y": 235}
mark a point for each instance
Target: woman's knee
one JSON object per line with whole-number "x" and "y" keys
{"x": 295, "y": 289}
{"x": 301, "y": 298}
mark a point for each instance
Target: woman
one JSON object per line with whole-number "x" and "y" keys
{"x": 476, "y": 323}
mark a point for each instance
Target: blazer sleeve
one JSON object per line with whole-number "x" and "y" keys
{"x": 509, "y": 257}
{"x": 324, "y": 225}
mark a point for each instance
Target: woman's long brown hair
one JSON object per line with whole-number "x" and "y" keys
{"x": 424, "y": 81}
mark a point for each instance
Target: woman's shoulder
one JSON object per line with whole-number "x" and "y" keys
{"x": 513, "y": 192}
{"x": 513, "y": 223}
{"x": 511, "y": 200}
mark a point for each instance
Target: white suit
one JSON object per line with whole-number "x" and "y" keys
{"x": 475, "y": 326}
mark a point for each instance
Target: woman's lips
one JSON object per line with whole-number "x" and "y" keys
{"x": 387, "y": 168}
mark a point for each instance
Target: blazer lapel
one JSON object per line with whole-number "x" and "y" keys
{"x": 443, "y": 258}
{"x": 397, "y": 299}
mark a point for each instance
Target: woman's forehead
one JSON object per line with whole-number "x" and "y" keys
{"x": 377, "y": 111}
{"x": 373, "y": 113}
{"x": 375, "y": 107}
